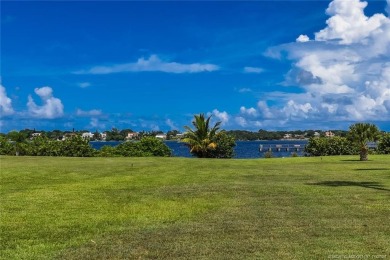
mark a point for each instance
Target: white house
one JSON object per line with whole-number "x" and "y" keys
{"x": 161, "y": 136}
{"x": 87, "y": 135}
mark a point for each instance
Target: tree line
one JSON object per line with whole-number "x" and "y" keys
{"x": 203, "y": 141}
{"x": 120, "y": 135}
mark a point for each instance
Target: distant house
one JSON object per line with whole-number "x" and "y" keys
{"x": 103, "y": 136}
{"x": 329, "y": 134}
{"x": 88, "y": 135}
{"x": 36, "y": 134}
{"x": 179, "y": 136}
{"x": 131, "y": 135}
{"x": 161, "y": 136}
{"x": 316, "y": 134}
{"x": 287, "y": 136}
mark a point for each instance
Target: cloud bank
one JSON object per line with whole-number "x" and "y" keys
{"x": 344, "y": 72}
{"x": 153, "y": 63}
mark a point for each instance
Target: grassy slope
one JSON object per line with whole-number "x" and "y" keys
{"x": 164, "y": 208}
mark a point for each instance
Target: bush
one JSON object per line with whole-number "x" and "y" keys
{"x": 75, "y": 146}
{"x": 384, "y": 144}
{"x": 131, "y": 149}
{"x": 224, "y": 146}
{"x": 268, "y": 154}
{"x": 108, "y": 151}
{"x": 147, "y": 146}
{"x": 6, "y": 147}
{"x": 323, "y": 146}
{"x": 154, "y": 147}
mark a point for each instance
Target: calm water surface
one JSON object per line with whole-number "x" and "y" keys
{"x": 243, "y": 149}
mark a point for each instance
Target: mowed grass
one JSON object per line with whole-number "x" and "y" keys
{"x": 178, "y": 208}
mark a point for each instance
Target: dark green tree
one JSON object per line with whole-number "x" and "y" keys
{"x": 6, "y": 148}
{"x": 225, "y": 146}
{"x": 18, "y": 138}
{"x": 384, "y": 144}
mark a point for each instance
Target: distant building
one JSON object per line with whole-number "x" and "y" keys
{"x": 131, "y": 135}
{"x": 36, "y": 134}
{"x": 161, "y": 136}
{"x": 287, "y": 136}
{"x": 316, "y": 134}
{"x": 329, "y": 134}
{"x": 103, "y": 136}
{"x": 179, "y": 136}
{"x": 88, "y": 135}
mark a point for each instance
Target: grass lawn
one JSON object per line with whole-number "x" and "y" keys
{"x": 178, "y": 208}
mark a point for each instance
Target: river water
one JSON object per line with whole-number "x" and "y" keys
{"x": 243, "y": 149}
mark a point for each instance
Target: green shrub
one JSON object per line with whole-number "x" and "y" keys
{"x": 322, "y": 146}
{"x": 131, "y": 149}
{"x": 6, "y": 147}
{"x": 224, "y": 146}
{"x": 384, "y": 144}
{"x": 268, "y": 154}
{"x": 154, "y": 147}
{"x": 76, "y": 146}
{"x": 147, "y": 146}
{"x": 108, "y": 151}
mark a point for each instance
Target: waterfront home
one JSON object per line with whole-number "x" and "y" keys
{"x": 161, "y": 136}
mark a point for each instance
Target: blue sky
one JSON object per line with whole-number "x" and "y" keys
{"x": 153, "y": 65}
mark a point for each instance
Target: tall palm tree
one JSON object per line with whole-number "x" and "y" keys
{"x": 200, "y": 140}
{"x": 361, "y": 134}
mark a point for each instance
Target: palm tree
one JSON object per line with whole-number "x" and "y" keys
{"x": 361, "y": 134}
{"x": 200, "y": 140}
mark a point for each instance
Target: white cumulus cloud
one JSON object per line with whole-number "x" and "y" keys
{"x": 348, "y": 23}
{"x": 223, "y": 117}
{"x": 5, "y": 103}
{"x": 344, "y": 73}
{"x": 51, "y": 107}
{"x": 153, "y": 63}
{"x": 303, "y": 38}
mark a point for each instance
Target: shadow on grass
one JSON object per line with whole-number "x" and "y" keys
{"x": 354, "y": 160}
{"x": 363, "y": 184}
{"x": 372, "y": 169}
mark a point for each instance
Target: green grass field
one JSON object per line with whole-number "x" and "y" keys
{"x": 177, "y": 208}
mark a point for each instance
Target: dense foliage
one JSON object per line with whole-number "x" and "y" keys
{"x": 76, "y": 146}
{"x": 322, "y": 146}
{"x": 384, "y": 144}
{"x": 224, "y": 146}
{"x": 148, "y": 146}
